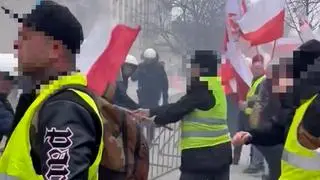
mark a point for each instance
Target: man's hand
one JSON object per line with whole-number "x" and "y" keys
{"x": 142, "y": 115}
{"x": 241, "y": 138}
{"x": 242, "y": 105}
{"x": 142, "y": 112}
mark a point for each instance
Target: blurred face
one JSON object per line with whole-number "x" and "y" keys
{"x": 257, "y": 69}
{"x": 33, "y": 50}
{"x": 282, "y": 76}
{"x": 128, "y": 69}
{"x": 195, "y": 70}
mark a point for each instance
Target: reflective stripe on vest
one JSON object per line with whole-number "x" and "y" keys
{"x": 206, "y": 134}
{"x": 306, "y": 163}
{"x": 6, "y": 177}
{"x": 207, "y": 121}
{"x": 16, "y": 162}
{"x": 207, "y": 128}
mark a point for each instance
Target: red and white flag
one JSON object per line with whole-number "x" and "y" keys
{"x": 106, "y": 69}
{"x": 263, "y": 22}
{"x": 235, "y": 73}
{"x": 226, "y": 71}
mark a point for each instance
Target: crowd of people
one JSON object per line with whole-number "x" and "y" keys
{"x": 60, "y": 129}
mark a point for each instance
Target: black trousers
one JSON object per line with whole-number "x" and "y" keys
{"x": 106, "y": 174}
{"x": 272, "y": 155}
{"x": 223, "y": 174}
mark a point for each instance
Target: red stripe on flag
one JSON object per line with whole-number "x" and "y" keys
{"x": 270, "y": 31}
{"x": 105, "y": 70}
{"x": 242, "y": 87}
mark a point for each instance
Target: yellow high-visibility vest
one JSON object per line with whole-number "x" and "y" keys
{"x": 251, "y": 93}
{"x": 16, "y": 162}
{"x": 298, "y": 162}
{"x": 207, "y": 128}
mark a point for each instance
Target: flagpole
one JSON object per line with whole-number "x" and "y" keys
{"x": 273, "y": 50}
{"x": 294, "y": 22}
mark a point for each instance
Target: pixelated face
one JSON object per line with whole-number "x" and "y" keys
{"x": 195, "y": 70}
{"x": 282, "y": 81}
{"x": 33, "y": 50}
{"x": 257, "y": 69}
{"x": 306, "y": 73}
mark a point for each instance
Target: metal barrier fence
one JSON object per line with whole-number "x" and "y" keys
{"x": 165, "y": 152}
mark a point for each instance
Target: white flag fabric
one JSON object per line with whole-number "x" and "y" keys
{"x": 264, "y": 21}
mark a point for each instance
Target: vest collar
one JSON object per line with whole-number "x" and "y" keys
{"x": 73, "y": 78}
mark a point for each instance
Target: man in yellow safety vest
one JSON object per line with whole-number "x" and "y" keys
{"x": 59, "y": 132}
{"x": 257, "y": 69}
{"x": 205, "y": 141}
{"x": 300, "y": 134}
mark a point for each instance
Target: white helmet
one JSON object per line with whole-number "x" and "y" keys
{"x": 150, "y": 53}
{"x": 8, "y": 63}
{"x": 131, "y": 60}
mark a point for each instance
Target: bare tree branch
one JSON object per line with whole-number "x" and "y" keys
{"x": 193, "y": 28}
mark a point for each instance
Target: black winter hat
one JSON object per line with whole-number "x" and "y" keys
{"x": 58, "y": 22}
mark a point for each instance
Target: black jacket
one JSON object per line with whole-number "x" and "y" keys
{"x": 152, "y": 83}
{"x": 6, "y": 115}
{"x": 121, "y": 97}
{"x": 206, "y": 159}
{"x": 277, "y": 134}
{"x": 69, "y": 117}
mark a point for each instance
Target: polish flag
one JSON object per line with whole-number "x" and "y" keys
{"x": 226, "y": 71}
{"x": 107, "y": 67}
{"x": 235, "y": 73}
{"x": 232, "y": 74}
{"x": 263, "y": 22}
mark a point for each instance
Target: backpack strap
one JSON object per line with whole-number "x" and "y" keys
{"x": 124, "y": 131}
{"x": 137, "y": 148}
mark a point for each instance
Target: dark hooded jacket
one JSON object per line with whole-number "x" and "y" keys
{"x": 152, "y": 83}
